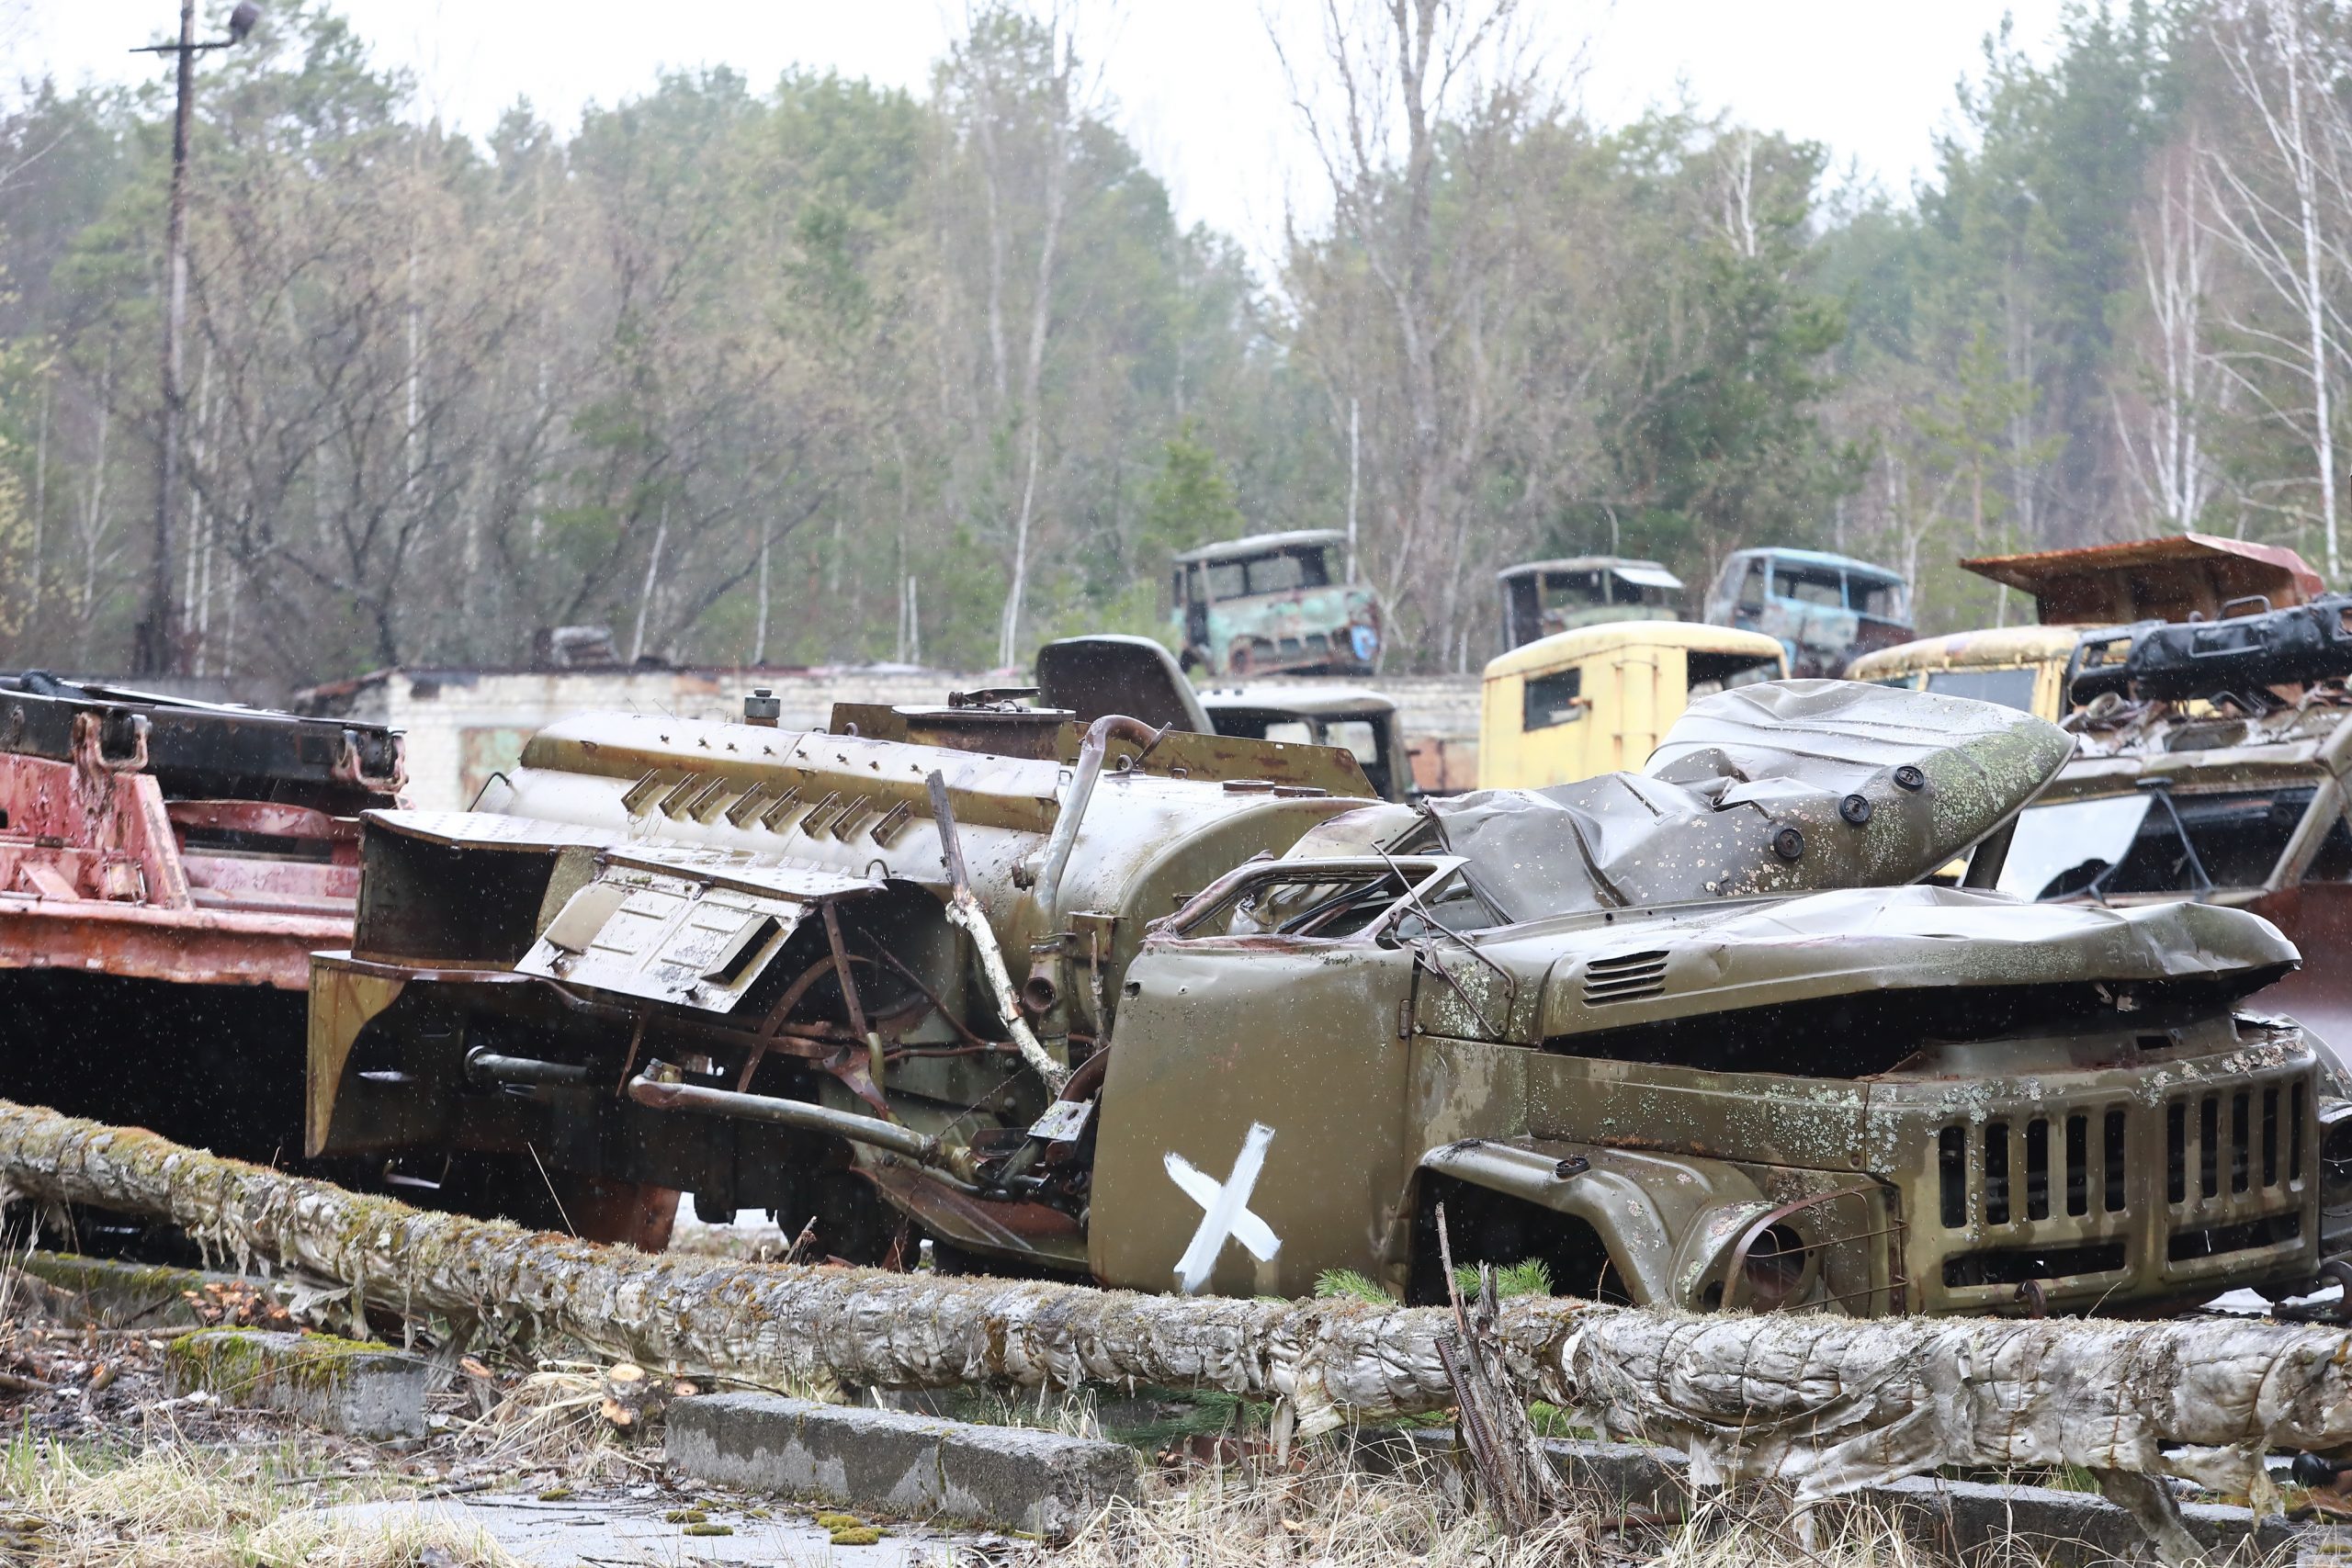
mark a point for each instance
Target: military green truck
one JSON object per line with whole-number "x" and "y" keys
{"x": 1197, "y": 1012}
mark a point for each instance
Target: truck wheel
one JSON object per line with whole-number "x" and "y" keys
{"x": 1485, "y": 1226}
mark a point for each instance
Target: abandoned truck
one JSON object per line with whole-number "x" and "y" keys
{"x": 1197, "y": 1012}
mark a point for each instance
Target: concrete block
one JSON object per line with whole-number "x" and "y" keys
{"x": 888, "y": 1461}
{"x": 344, "y": 1385}
{"x": 109, "y": 1293}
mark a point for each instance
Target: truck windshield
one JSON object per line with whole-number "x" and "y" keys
{"x": 2010, "y": 688}
{"x": 1810, "y": 585}
{"x": 1286, "y": 572}
{"x": 1886, "y": 601}
{"x": 2149, "y": 844}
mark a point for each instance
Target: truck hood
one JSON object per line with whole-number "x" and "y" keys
{"x": 1872, "y": 943}
{"x": 1783, "y": 786}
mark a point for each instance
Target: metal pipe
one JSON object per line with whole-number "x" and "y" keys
{"x": 1081, "y": 791}
{"x": 806, "y": 1115}
{"x": 488, "y": 1066}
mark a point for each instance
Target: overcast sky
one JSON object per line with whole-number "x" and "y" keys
{"x": 1195, "y": 82}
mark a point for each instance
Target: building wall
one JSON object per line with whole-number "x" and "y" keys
{"x": 464, "y": 725}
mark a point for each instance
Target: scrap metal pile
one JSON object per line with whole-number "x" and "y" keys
{"x": 1073, "y": 1004}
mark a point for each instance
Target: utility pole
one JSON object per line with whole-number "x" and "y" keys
{"x": 155, "y": 644}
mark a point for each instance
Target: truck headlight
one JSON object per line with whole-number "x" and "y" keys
{"x": 2335, "y": 1152}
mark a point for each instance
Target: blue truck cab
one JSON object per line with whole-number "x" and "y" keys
{"x": 1825, "y": 610}
{"x": 1272, "y": 603}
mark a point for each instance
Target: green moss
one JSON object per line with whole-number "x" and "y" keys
{"x": 684, "y": 1517}
{"x": 709, "y": 1530}
{"x": 858, "y": 1535}
{"x": 231, "y": 1360}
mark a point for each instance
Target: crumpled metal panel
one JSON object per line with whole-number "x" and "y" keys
{"x": 1781, "y": 788}
{"x": 664, "y": 924}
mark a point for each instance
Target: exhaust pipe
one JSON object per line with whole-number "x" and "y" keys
{"x": 809, "y": 1117}
{"x": 488, "y": 1066}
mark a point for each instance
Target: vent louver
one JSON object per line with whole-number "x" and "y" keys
{"x": 1624, "y": 977}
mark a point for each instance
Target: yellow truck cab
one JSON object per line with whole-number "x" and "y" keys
{"x": 2017, "y": 667}
{"x": 2181, "y": 577}
{"x": 1597, "y": 699}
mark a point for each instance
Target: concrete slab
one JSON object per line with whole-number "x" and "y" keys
{"x": 344, "y": 1385}
{"x": 111, "y": 1293}
{"x": 627, "y": 1526}
{"x": 917, "y": 1466}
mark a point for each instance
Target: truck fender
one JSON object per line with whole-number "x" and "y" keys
{"x": 1669, "y": 1220}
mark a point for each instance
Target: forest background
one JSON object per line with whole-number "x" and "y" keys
{"x": 817, "y": 371}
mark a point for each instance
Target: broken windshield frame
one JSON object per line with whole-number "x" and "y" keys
{"x": 2152, "y": 843}
{"x": 1331, "y": 899}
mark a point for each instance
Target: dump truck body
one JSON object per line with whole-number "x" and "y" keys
{"x": 1186, "y": 1012}
{"x": 2179, "y": 577}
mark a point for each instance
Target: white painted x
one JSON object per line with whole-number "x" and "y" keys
{"x": 1226, "y": 1210}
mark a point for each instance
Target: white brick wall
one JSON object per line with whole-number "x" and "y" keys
{"x": 446, "y": 713}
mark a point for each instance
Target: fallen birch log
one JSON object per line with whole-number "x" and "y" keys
{"x": 1825, "y": 1403}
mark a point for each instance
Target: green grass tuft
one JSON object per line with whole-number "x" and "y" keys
{"x": 1334, "y": 1284}
{"x": 1532, "y": 1276}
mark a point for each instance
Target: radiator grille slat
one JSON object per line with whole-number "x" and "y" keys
{"x": 2032, "y": 1186}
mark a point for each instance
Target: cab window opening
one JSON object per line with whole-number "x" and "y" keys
{"x": 2009, "y": 688}
{"x": 2155, "y": 842}
{"x": 1710, "y": 673}
{"x": 1555, "y": 698}
{"x": 1808, "y": 586}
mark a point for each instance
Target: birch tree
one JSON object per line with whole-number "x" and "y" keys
{"x": 2164, "y": 443}
{"x": 2270, "y": 212}
{"x": 1015, "y": 88}
{"x": 1414, "y": 103}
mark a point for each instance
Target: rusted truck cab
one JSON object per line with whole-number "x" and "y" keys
{"x": 1193, "y": 1012}
{"x": 1544, "y": 597}
{"x": 1825, "y": 610}
{"x": 1273, "y": 604}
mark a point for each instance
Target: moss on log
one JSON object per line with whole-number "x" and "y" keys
{"x": 1826, "y": 1403}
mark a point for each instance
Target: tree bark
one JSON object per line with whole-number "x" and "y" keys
{"x": 1826, "y": 1404}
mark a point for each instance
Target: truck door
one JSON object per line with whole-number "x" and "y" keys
{"x": 1254, "y": 1112}
{"x": 1197, "y": 608}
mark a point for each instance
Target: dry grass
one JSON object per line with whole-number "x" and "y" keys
{"x": 1330, "y": 1516}
{"x": 550, "y": 1421}
{"x": 180, "y": 1507}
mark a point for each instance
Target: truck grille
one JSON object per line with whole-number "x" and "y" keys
{"x": 2064, "y": 1192}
